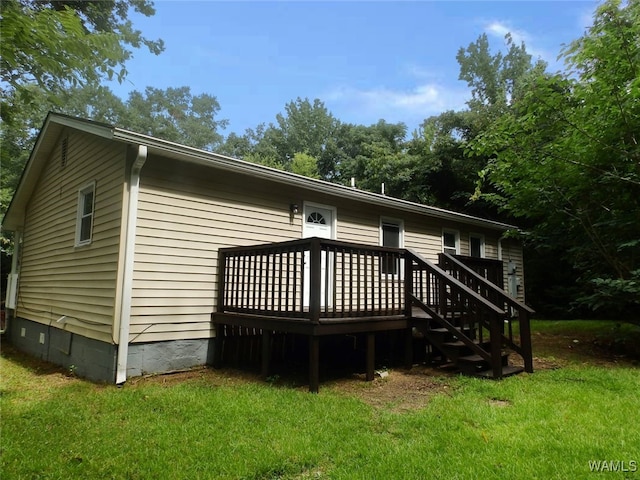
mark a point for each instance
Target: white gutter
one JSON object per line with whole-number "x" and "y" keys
{"x": 129, "y": 251}
{"x": 202, "y": 157}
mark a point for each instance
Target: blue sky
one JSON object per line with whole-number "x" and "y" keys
{"x": 364, "y": 60}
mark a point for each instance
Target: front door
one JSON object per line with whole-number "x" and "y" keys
{"x": 318, "y": 222}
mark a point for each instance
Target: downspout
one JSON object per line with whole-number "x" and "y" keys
{"x": 11, "y": 300}
{"x": 129, "y": 251}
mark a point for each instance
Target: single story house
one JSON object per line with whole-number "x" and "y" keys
{"x": 119, "y": 235}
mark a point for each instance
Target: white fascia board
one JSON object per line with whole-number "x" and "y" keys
{"x": 210, "y": 159}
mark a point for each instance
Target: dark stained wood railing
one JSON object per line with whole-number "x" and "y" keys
{"x": 317, "y": 280}
{"x": 514, "y": 310}
{"x": 445, "y": 298}
{"x": 311, "y": 279}
{"x": 492, "y": 270}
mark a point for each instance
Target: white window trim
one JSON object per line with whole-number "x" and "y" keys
{"x": 90, "y": 187}
{"x": 392, "y": 221}
{"x": 457, "y": 237}
{"x": 306, "y": 206}
{"x": 400, "y": 224}
{"x": 479, "y": 236}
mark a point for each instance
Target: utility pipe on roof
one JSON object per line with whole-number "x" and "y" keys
{"x": 129, "y": 249}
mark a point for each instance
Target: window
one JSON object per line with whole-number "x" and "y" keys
{"x": 317, "y": 218}
{"x": 451, "y": 242}
{"x": 391, "y": 236}
{"x": 84, "y": 224}
{"x": 476, "y": 245}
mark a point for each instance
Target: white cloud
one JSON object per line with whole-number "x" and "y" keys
{"x": 410, "y": 106}
{"x": 499, "y": 29}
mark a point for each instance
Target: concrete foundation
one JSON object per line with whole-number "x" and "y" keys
{"x": 84, "y": 356}
{"x": 96, "y": 360}
{"x": 158, "y": 357}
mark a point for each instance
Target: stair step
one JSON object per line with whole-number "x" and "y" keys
{"x": 475, "y": 358}
{"x": 444, "y": 331}
{"x": 460, "y": 343}
{"x": 507, "y": 371}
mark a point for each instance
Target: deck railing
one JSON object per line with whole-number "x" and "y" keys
{"x": 456, "y": 307}
{"x": 316, "y": 279}
{"x": 488, "y": 268}
{"x": 311, "y": 279}
{"x": 515, "y": 311}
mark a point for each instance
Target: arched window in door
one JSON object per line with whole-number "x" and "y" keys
{"x": 316, "y": 218}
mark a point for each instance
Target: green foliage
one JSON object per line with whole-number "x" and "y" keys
{"x": 375, "y": 155}
{"x": 58, "y": 45}
{"x": 496, "y": 80}
{"x": 173, "y": 114}
{"x": 305, "y": 127}
{"x": 176, "y": 115}
{"x": 566, "y": 156}
{"x": 304, "y": 164}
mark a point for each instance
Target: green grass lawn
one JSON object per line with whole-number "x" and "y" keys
{"x": 211, "y": 425}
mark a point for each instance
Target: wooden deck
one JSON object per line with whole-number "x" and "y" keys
{"x": 316, "y": 287}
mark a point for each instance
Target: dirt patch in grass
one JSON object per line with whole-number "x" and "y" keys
{"x": 398, "y": 390}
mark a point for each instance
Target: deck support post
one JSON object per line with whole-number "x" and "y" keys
{"x": 217, "y": 346}
{"x": 371, "y": 355}
{"x": 496, "y": 346}
{"x": 525, "y": 340}
{"x": 408, "y": 348}
{"x": 314, "y": 363}
{"x": 266, "y": 353}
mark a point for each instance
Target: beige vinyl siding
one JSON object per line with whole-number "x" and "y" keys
{"x": 512, "y": 251}
{"x": 56, "y": 277}
{"x": 187, "y": 212}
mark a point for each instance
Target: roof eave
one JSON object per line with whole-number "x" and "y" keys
{"x": 202, "y": 157}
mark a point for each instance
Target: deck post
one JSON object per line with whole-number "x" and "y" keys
{"x": 217, "y": 345}
{"x": 525, "y": 340}
{"x": 266, "y": 352}
{"x": 408, "y": 285}
{"x": 408, "y": 348}
{"x": 222, "y": 265}
{"x": 408, "y": 309}
{"x": 371, "y": 355}
{"x": 496, "y": 345}
{"x": 315, "y": 271}
{"x": 314, "y": 363}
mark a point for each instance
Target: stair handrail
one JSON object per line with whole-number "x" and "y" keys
{"x": 413, "y": 255}
{"x": 495, "y": 313}
{"x": 513, "y": 302}
{"x": 524, "y": 311}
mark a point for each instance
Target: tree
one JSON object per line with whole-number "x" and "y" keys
{"x": 306, "y": 165}
{"x": 374, "y": 155}
{"x": 495, "y": 80}
{"x": 444, "y": 172}
{"x": 56, "y": 45}
{"x": 176, "y": 115}
{"x": 173, "y": 114}
{"x": 305, "y": 127}
{"x": 566, "y": 158}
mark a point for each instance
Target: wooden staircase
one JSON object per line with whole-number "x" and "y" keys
{"x": 466, "y": 320}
